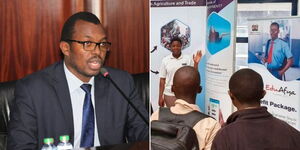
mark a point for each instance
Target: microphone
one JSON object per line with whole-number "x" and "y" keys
{"x": 105, "y": 73}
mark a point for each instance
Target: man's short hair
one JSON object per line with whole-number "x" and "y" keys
{"x": 275, "y": 24}
{"x": 68, "y": 28}
{"x": 247, "y": 86}
{"x": 176, "y": 39}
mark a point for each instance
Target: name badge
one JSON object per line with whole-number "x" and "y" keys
{"x": 184, "y": 64}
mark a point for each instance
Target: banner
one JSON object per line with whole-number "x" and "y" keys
{"x": 220, "y": 54}
{"x": 181, "y": 18}
{"x": 274, "y": 52}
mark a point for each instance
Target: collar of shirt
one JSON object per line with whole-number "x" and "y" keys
{"x": 182, "y": 107}
{"x": 249, "y": 114}
{"x": 172, "y": 57}
{"x": 73, "y": 82}
{"x": 275, "y": 41}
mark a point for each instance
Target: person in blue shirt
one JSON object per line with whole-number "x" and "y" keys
{"x": 278, "y": 56}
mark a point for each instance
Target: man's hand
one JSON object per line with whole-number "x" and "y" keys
{"x": 161, "y": 101}
{"x": 221, "y": 120}
{"x": 197, "y": 57}
{"x": 281, "y": 72}
{"x": 264, "y": 60}
{"x": 288, "y": 64}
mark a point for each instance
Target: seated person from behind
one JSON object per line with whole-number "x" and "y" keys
{"x": 186, "y": 85}
{"x": 71, "y": 98}
{"x": 252, "y": 126}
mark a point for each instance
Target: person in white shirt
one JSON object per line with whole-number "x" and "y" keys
{"x": 170, "y": 64}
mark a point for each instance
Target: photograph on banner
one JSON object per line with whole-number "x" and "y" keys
{"x": 274, "y": 52}
{"x": 218, "y": 33}
{"x": 276, "y": 45}
{"x": 176, "y": 19}
{"x": 175, "y": 28}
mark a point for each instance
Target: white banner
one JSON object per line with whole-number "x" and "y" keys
{"x": 282, "y": 98}
{"x": 169, "y": 18}
{"x": 220, "y": 40}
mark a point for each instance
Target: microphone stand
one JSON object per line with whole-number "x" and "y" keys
{"x": 127, "y": 99}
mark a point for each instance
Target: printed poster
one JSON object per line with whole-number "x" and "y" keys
{"x": 220, "y": 54}
{"x": 176, "y": 18}
{"x": 274, "y": 52}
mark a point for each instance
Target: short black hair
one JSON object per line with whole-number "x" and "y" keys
{"x": 247, "y": 86}
{"x": 68, "y": 28}
{"x": 275, "y": 24}
{"x": 176, "y": 39}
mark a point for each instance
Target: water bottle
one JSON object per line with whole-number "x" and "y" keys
{"x": 48, "y": 144}
{"x": 64, "y": 143}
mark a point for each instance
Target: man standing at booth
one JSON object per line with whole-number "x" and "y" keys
{"x": 71, "y": 98}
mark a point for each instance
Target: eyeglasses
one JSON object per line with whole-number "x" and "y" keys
{"x": 91, "y": 46}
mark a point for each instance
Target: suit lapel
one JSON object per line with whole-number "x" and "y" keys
{"x": 101, "y": 103}
{"x": 62, "y": 91}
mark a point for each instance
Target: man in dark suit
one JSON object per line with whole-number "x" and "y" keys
{"x": 71, "y": 98}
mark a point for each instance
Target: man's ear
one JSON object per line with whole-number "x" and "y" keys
{"x": 199, "y": 89}
{"x": 65, "y": 48}
{"x": 230, "y": 95}
{"x": 173, "y": 88}
{"x": 263, "y": 94}
{"x": 234, "y": 101}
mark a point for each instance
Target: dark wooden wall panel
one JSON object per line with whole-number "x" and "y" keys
{"x": 30, "y": 32}
{"x": 127, "y": 24}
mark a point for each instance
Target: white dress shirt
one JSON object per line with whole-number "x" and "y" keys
{"x": 77, "y": 99}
